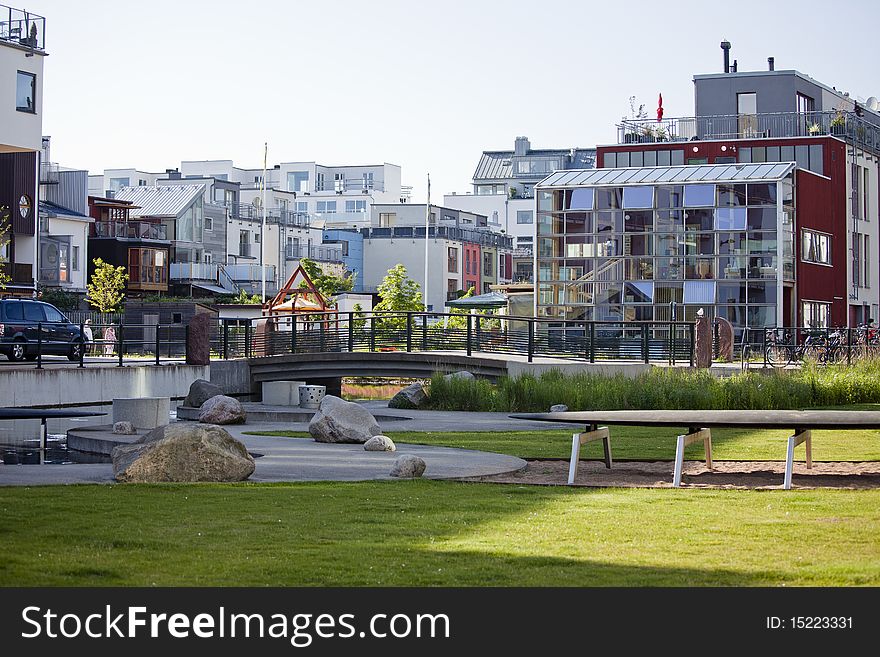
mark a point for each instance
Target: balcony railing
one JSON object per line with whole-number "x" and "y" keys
{"x": 522, "y": 252}
{"x": 322, "y": 253}
{"x": 250, "y": 273}
{"x": 131, "y": 230}
{"x": 845, "y": 125}
{"x": 49, "y": 173}
{"x": 483, "y": 238}
{"x": 22, "y": 28}
{"x": 275, "y": 216}
{"x": 193, "y": 271}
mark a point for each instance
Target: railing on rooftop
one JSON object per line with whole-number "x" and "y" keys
{"x": 22, "y": 28}
{"x": 193, "y": 271}
{"x": 845, "y": 125}
{"x": 481, "y": 237}
{"x": 250, "y": 273}
{"x": 322, "y": 253}
{"x": 275, "y": 216}
{"x": 130, "y": 230}
{"x": 49, "y": 173}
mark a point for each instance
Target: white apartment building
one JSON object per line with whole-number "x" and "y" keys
{"x": 22, "y": 52}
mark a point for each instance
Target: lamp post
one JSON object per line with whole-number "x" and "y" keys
{"x": 427, "y": 243}
{"x": 263, "y": 225}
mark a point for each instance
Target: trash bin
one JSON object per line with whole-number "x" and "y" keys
{"x": 311, "y": 396}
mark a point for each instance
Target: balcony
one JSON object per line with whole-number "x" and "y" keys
{"x": 322, "y": 253}
{"x": 193, "y": 271}
{"x": 275, "y": 216}
{"x": 483, "y": 238}
{"x": 845, "y": 125}
{"x": 49, "y": 173}
{"x": 22, "y": 28}
{"x": 250, "y": 273}
{"x": 130, "y": 230}
{"x": 522, "y": 252}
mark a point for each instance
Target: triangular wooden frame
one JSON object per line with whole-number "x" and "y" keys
{"x": 309, "y": 291}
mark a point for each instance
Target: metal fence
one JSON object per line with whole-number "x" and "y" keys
{"x": 792, "y": 346}
{"x": 670, "y": 342}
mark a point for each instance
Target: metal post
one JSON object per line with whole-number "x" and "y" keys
{"x": 531, "y": 352}
{"x": 247, "y": 340}
{"x": 321, "y": 335}
{"x": 225, "y": 339}
{"x": 645, "y": 353}
{"x": 593, "y": 342}
{"x": 82, "y": 348}
{"x": 350, "y": 332}
{"x": 479, "y": 335}
{"x": 120, "y": 340}
{"x": 425, "y": 332}
{"x": 849, "y": 346}
{"x": 469, "y": 331}
{"x": 409, "y": 331}
{"x": 692, "y": 340}
{"x": 293, "y": 336}
{"x": 39, "y": 346}
{"x": 372, "y": 332}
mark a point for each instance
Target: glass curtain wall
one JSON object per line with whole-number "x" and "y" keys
{"x": 644, "y": 252}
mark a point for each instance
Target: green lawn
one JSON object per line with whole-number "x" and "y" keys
{"x": 650, "y": 443}
{"x": 424, "y": 533}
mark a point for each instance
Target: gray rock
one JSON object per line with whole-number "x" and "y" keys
{"x": 408, "y": 467}
{"x": 222, "y": 410}
{"x": 339, "y": 421}
{"x": 184, "y": 453}
{"x": 380, "y": 444}
{"x": 201, "y": 391}
{"x": 413, "y": 396}
{"x": 123, "y": 428}
{"x": 463, "y": 375}
{"x": 558, "y": 408}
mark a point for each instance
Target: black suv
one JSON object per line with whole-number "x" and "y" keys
{"x": 22, "y": 320}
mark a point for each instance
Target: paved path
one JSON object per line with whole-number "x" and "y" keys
{"x": 301, "y": 459}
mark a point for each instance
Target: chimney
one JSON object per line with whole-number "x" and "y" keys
{"x": 172, "y": 174}
{"x": 725, "y": 46}
{"x": 771, "y": 63}
{"x": 733, "y": 68}
{"x": 521, "y": 146}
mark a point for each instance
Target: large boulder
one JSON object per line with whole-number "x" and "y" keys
{"x": 339, "y": 421}
{"x": 463, "y": 375}
{"x": 380, "y": 444}
{"x": 222, "y": 410}
{"x": 199, "y": 392}
{"x": 408, "y": 467}
{"x": 412, "y": 396}
{"x": 185, "y": 453}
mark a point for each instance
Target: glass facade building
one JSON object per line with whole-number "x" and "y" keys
{"x": 641, "y": 244}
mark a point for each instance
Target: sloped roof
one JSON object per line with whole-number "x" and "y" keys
{"x": 160, "y": 200}
{"x": 499, "y": 164}
{"x": 688, "y": 173}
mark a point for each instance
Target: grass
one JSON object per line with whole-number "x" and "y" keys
{"x": 650, "y": 443}
{"x": 670, "y": 388}
{"x": 424, "y": 533}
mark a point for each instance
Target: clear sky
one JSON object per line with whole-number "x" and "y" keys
{"x": 426, "y": 85}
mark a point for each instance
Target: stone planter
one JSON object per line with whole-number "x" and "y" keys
{"x": 311, "y": 396}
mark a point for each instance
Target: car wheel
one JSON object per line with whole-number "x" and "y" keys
{"x": 17, "y": 351}
{"x": 75, "y": 350}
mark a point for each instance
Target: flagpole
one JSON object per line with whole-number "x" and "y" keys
{"x": 263, "y": 226}
{"x": 427, "y": 243}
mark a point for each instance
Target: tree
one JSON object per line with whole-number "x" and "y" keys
{"x": 4, "y": 240}
{"x": 107, "y": 287}
{"x": 399, "y": 294}
{"x": 329, "y": 285}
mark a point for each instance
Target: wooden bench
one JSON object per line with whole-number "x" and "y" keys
{"x": 700, "y": 425}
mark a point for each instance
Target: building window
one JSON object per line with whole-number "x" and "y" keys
{"x": 452, "y": 260}
{"x": 256, "y": 238}
{"x": 209, "y": 223}
{"x": 26, "y": 92}
{"x": 319, "y": 182}
{"x": 147, "y": 267}
{"x": 815, "y": 247}
{"x": 488, "y": 264}
{"x": 524, "y": 217}
{"x": 298, "y": 181}
{"x": 208, "y": 257}
{"x": 387, "y": 219}
{"x": 451, "y": 289}
{"x": 355, "y": 206}
{"x": 816, "y": 314}
{"x": 118, "y": 183}
{"x": 368, "y": 181}
{"x": 747, "y": 112}
{"x": 326, "y": 206}
{"x": 74, "y": 258}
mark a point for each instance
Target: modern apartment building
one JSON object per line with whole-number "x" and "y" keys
{"x": 22, "y": 53}
{"x": 761, "y": 209}
{"x": 503, "y": 191}
{"x": 462, "y": 252}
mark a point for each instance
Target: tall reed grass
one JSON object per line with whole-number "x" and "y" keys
{"x": 667, "y": 388}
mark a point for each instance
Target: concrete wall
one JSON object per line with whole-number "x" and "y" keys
{"x": 72, "y": 386}
{"x": 233, "y": 376}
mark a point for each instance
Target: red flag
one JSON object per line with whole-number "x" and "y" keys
{"x": 660, "y": 109}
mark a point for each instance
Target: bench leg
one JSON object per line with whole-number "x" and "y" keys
{"x": 575, "y": 455}
{"x": 606, "y": 444}
{"x": 679, "y": 461}
{"x": 793, "y": 441}
{"x": 707, "y": 445}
